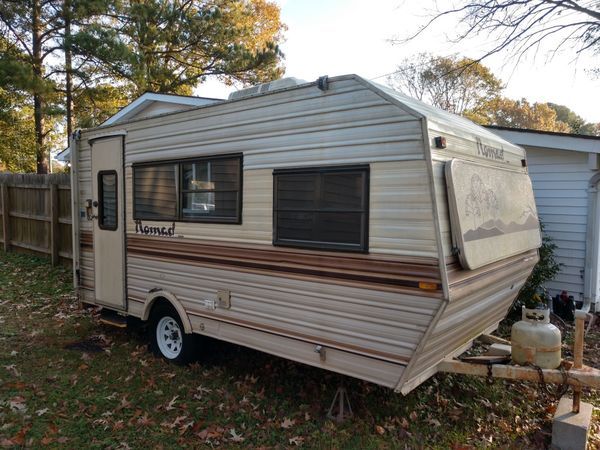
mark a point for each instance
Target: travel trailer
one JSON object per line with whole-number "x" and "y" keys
{"x": 337, "y": 223}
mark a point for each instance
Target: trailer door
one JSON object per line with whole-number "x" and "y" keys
{"x": 109, "y": 226}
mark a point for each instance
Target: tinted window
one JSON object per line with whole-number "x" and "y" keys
{"x": 322, "y": 208}
{"x": 203, "y": 190}
{"x": 107, "y": 192}
{"x": 155, "y": 192}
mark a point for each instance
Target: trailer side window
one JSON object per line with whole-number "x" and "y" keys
{"x": 155, "y": 192}
{"x": 210, "y": 190}
{"x": 199, "y": 190}
{"x": 323, "y": 208}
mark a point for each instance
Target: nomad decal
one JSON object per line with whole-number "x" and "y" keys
{"x": 488, "y": 151}
{"x": 140, "y": 228}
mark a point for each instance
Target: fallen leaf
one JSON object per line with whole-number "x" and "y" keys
{"x": 171, "y": 404}
{"x": 13, "y": 368}
{"x": 296, "y": 440}
{"x": 19, "y": 438}
{"x": 41, "y": 412}
{"x": 186, "y": 426}
{"x": 7, "y": 443}
{"x": 287, "y": 423}
{"x": 379, "y": 429}
{"x": 17, "y": 404}
{"x": 434, "y": 422}
{"x": 234, "y": 436}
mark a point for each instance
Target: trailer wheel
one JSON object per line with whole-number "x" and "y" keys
{"x": 167, "y": 336}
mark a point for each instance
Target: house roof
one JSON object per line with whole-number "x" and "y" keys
{"x": 151, "y": 98}
{"x": 549, "y": 139}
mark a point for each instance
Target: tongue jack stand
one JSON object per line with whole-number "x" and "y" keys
{"x": 340, "y": 408}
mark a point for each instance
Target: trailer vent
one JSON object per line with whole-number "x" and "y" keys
{"x": 284, "y": 83}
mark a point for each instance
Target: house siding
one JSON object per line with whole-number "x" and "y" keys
{"x": 560, "y": 183}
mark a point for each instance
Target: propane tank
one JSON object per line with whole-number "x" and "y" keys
{"x": 535, "y": 340}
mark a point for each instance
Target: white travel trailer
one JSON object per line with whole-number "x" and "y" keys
{"x": 337, "y": 223}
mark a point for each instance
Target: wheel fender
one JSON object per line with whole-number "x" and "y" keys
{"x": 151, "y": 298}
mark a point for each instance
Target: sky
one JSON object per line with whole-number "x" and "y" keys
{"x": 337, "y": 37}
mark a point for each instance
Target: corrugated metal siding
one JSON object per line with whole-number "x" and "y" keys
{"x": 443, "y": 212}
{"x": 86, "y": 260}
{"x": 365, "y": 368}
{"x": 460, "y": 132}
{"x": 560, "y": 184}
{"x": 372, "y": 320}
{"x": 257, "y": 213}
{"x": 400, "y": 213}
{"x": 346, "y": 124}
{"x": 477, "y": 303}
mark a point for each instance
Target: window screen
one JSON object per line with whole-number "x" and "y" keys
{"x": 322, "y": 208}
{"x": 155, "y": 192}
{"x": 107, "y": 193}
{"x": 211, "y": 189}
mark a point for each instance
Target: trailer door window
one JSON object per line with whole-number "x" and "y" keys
{"x": 107, "y": 193}
{"x": 322, "y": 208}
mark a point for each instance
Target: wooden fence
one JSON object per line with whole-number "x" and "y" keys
{"x": 36, "y": 214}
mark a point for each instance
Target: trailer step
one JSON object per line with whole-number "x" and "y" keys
{"x": 113, "y": 318}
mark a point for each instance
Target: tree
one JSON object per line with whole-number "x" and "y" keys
{"x": 458, "y": 85}
{"x": 17, "y": 138}
{"x": 28, "y": 29}
{"x": 172, "y": 45}
{"x": 526, "y": 26}
{"x": 506, "y": 112}
{"x": 576, "y": 123}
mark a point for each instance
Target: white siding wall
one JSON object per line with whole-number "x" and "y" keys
{"x": 560, "y": 183}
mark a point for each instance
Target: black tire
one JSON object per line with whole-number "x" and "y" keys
{"x": 170, "y": 341}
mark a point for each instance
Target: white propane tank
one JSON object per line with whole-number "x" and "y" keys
{"x": 534, "y": 340}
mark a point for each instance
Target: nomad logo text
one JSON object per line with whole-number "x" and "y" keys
{"x": 140, "y": 228}
{"x": 487, "y": 151}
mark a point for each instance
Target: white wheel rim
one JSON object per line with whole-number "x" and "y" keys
{"x": 169, "y": 337}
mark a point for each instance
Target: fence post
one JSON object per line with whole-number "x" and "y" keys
{"x": 54, "y": 235}
{"x": 5, "y": 217}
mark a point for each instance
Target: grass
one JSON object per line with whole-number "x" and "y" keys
{"x": 66, "y": 381}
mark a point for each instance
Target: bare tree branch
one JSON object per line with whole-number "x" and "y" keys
{"x": 524, "y": 26}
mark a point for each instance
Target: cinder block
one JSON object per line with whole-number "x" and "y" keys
{"x": 569, "y": 430}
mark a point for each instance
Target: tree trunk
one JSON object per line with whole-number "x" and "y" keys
{"x": 68, "y": 68}
{"x": 38, "y": 96}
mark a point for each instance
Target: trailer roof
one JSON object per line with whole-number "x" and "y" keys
{"x": 440, "y": 119}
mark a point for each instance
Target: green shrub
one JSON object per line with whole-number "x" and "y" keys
{"x": 545, "y": 270}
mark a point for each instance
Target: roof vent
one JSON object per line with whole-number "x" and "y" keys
{"x": 276, "y": 85}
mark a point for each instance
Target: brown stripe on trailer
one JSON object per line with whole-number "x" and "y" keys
{"x": 86, "y": 240}
{"x": 362, "y": 270}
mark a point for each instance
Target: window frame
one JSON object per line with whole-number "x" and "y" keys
{"x": 101, "y": 225}
{"x": 179, "y": 191}
{"x": 363, "y": 247}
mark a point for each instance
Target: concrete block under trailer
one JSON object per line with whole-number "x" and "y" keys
{"x": 338, "y": 224}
